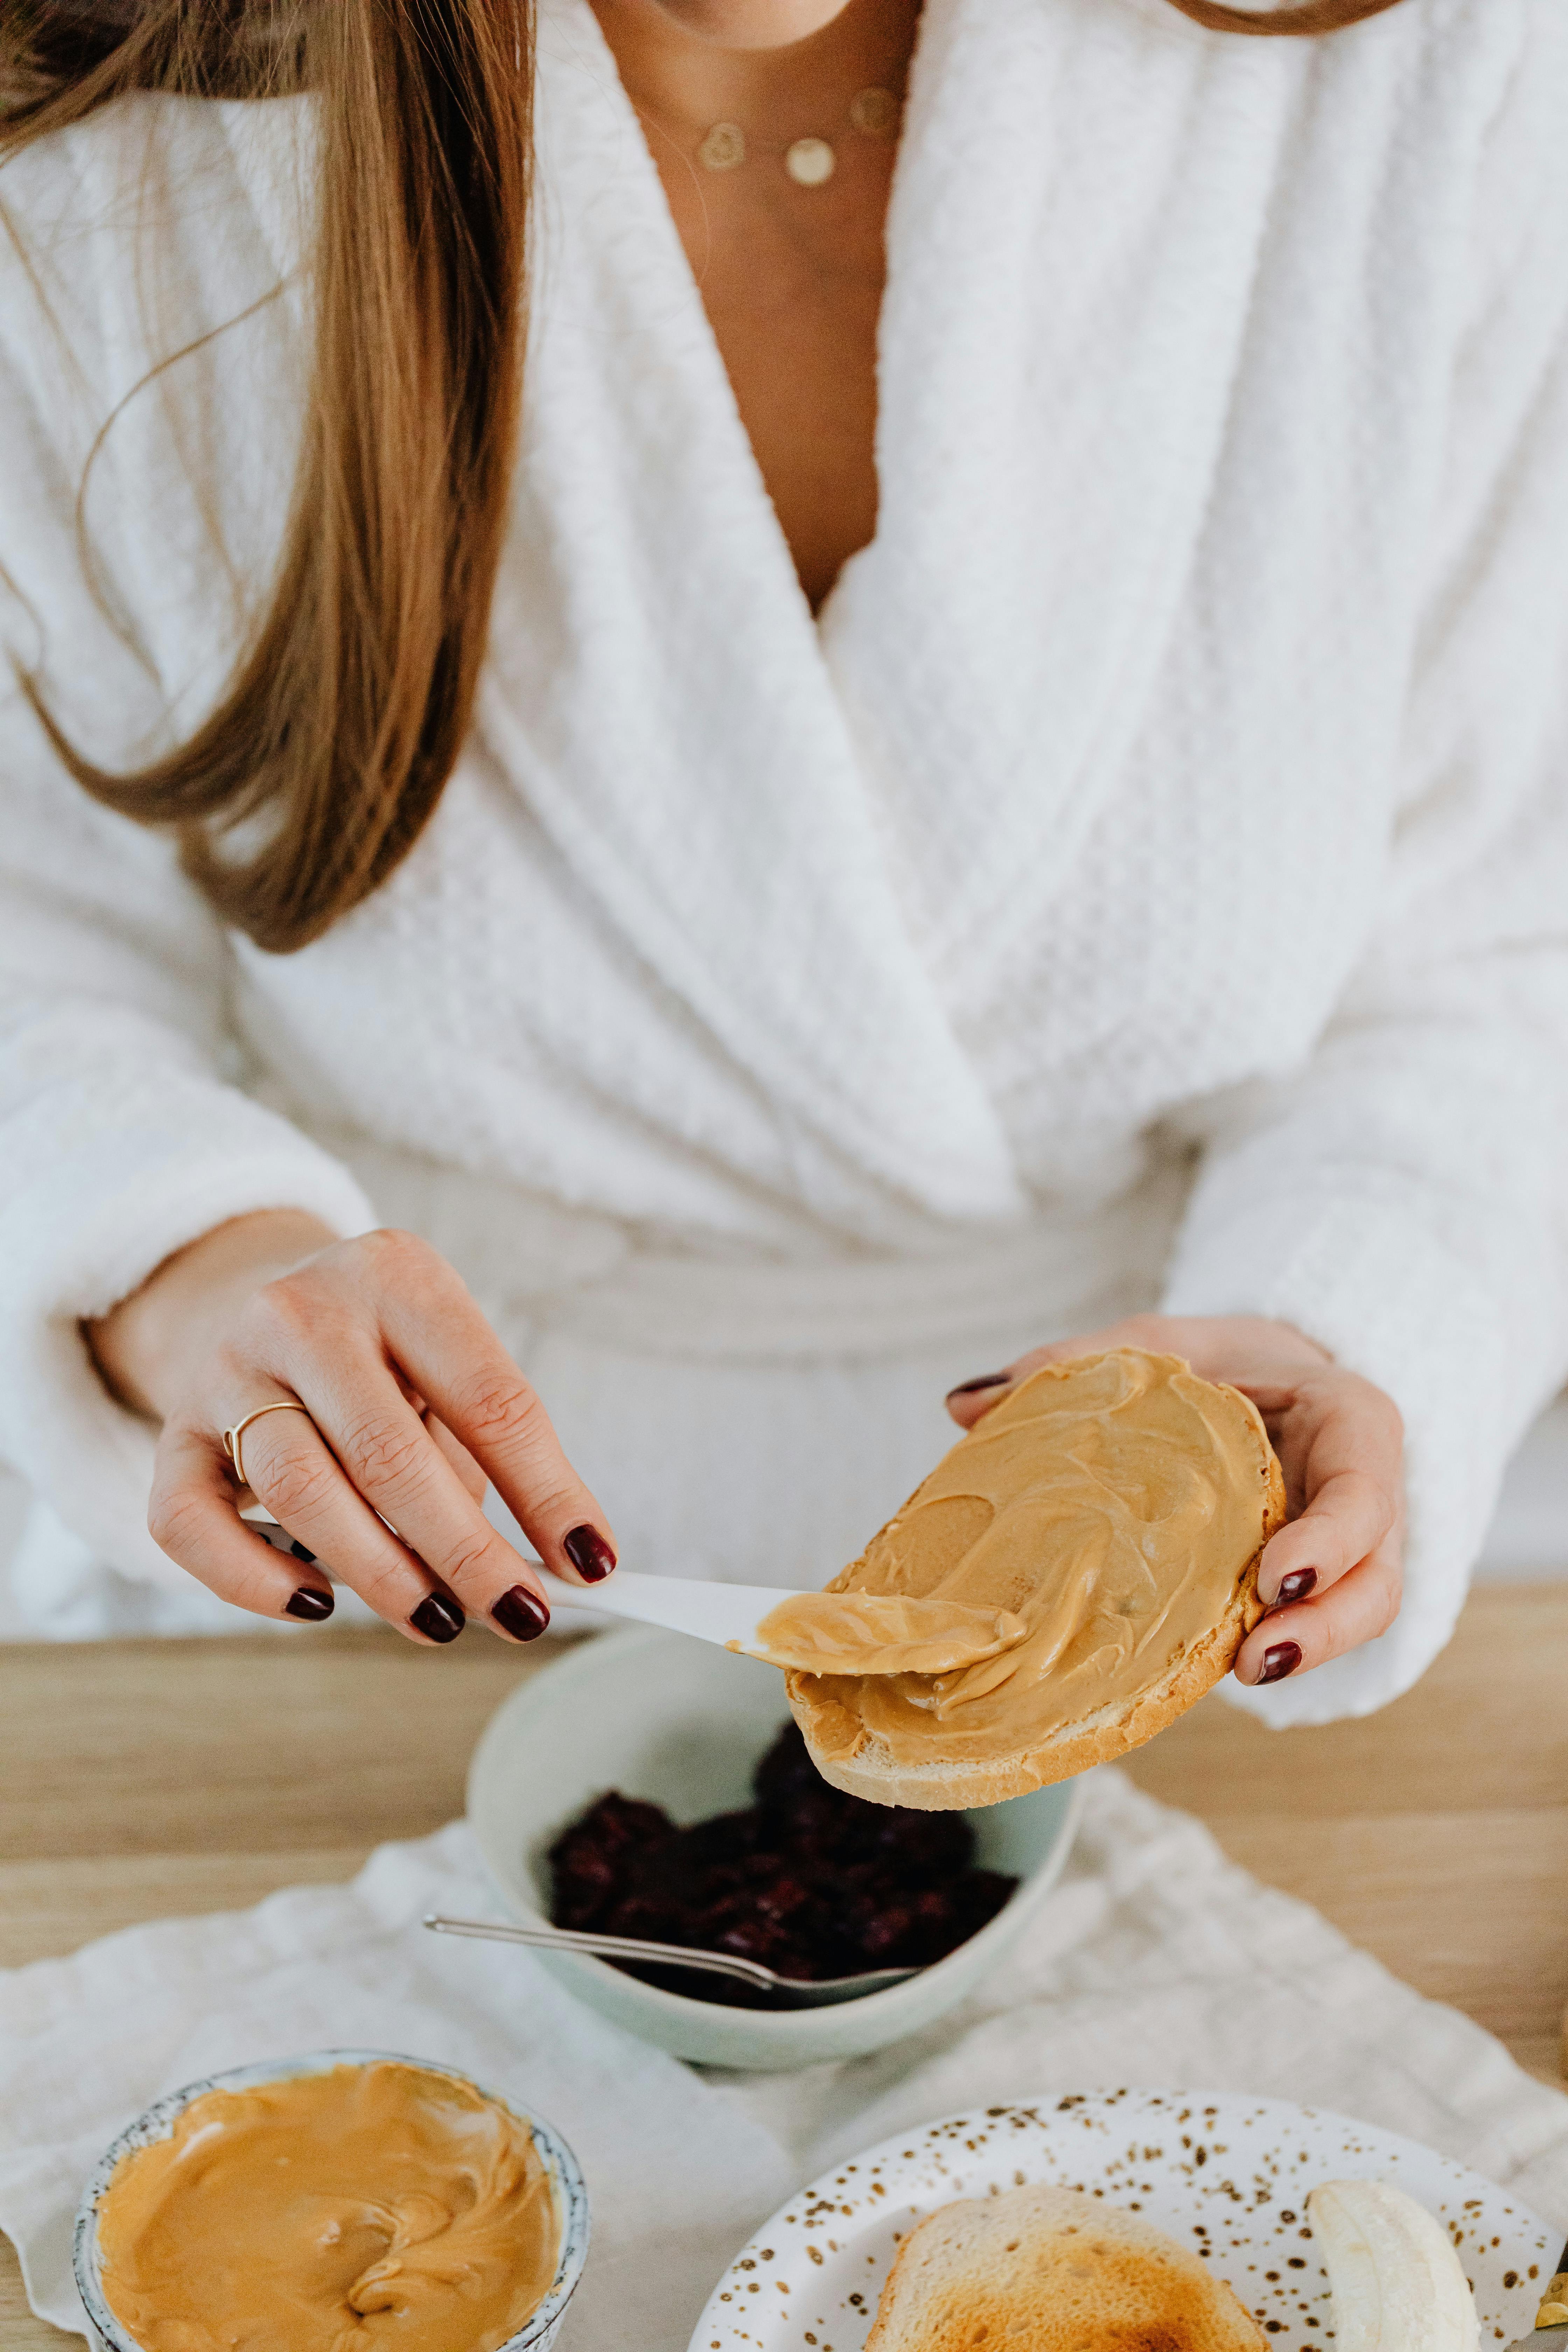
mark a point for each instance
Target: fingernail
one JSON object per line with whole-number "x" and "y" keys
{"x": 589, "y": 1554}
{"x": 310, "y": 1602}
{"x": 438, "y": 1618}
{"x": 301, "y": 1553}
{"x": 1296, "y": 1586}
{"x": 986, "y": 1380}
{"x": 1281, "y": 1660}
{"x": 521, "y": 1613}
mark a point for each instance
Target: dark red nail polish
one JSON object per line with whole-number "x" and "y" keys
{"x": 311, "y": 1604}
{"x": 1296, "y": 1586}
{"x": 521, "y": 1613}
{"x": 438, "y": 1618}
{"x": 1281, "y": 1660}
{"x": 589, "y": 1554}
{"x": 986, "y": 1380}
{"x": 301, "y": 1553}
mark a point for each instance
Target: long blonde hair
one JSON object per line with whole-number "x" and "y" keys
{"x": 351, "y": 702}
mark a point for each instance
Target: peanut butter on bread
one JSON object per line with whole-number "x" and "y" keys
{"x": 1096, "y": 1539}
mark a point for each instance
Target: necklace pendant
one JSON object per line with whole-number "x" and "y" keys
{"x": 810, "y": 162}
{"x": 875, "y": 113}
{"x": 723, "y": 149}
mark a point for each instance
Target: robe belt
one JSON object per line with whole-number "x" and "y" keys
{"x": 540, "y": 1267}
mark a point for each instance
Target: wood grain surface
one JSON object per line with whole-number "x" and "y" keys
{"x": 143, "y": 1779}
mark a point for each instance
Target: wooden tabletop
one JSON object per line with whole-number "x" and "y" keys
{"x": 140, "y": 1780}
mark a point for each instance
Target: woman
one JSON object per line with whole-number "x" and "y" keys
{"x": 973, "y": 756}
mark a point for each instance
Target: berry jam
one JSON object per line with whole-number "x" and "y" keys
{"x": 808, "y": 1881}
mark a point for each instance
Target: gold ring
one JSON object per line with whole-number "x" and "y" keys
{"x": 231, "y": 1437}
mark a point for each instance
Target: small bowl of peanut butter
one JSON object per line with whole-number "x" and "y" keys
{"x": 351, "y": 2198}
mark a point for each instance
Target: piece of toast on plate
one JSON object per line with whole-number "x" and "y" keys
{"x": 1053, "y": 2270}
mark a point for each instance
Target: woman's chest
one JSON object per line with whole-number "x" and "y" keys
{"x": 776, "y": 168}
{"x": 1078, "y": 802}
{"x": 791, "y": 284}
{"x": 791, "y": 275}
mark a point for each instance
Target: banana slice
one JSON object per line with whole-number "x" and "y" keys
{"x": 1397, "y": 2280}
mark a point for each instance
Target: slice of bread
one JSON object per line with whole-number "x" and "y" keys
{"x": 1053, "y": 2270}
{"x": 852, "y": 1756}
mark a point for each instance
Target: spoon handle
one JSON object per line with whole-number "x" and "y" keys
{"x": 609, "y": 1947}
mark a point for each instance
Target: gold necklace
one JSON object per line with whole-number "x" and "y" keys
{"x": 810, "y": 162}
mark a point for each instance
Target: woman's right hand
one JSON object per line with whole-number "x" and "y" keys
{"x": 411, "y": 1404}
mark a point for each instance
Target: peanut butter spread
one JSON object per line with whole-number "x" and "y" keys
{"x": 371, "y": 2206}
{"x": 883, "y": 1632}
{"x": 1108, "y": 1507}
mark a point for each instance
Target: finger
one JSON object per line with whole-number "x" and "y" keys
{"x": 1357, "y": 1609}
{"x": 1340, "y": 1443}
{"x": 1347, "y": 1518}
{"x": 972, "y": 1399}
{"x": 384, "y": 1471}
{"x": 294, "y": 1471}
{"x": 457, "y": 1455}
{"x": 438, "y": 1334}
{"x": 1233, "y": 1348}
{"x": 191, "y": 1517}
{"x": 454, "y": 1451}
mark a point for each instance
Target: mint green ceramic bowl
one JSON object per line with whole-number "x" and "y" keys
{"x": 659, "y": 1716}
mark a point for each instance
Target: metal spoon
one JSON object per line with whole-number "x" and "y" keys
{"x": 791, "y": 1992}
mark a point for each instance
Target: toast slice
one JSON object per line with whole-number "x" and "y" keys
{"x": 1100, "y": 1444}
{"x": 1052, "y": 2270}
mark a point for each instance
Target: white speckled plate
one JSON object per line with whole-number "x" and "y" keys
{"x": 1226, "y": 2174}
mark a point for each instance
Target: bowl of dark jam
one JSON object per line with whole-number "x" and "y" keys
{"x": 814, "y": 1883}
{"x": 647, "y": 1785}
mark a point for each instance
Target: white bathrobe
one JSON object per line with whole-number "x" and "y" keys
{"x": 1146, "y": 882}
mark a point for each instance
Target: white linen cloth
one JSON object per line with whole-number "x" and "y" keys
{"x": 1145, "y": 881}
{"x": 1157, "y": 1963}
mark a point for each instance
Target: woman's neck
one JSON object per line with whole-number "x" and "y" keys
{"x": 689, "y": 79}
{"x": 791, "y": 275}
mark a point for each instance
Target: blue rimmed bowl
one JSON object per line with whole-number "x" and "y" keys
{"x": 107, "y": 2334}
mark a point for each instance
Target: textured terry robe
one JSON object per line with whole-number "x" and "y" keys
{"x": 1144, "y": 884}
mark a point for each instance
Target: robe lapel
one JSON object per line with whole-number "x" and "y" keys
{"x": 1072, "y": 240}
{"x": 821, "y": 844}
{"x": 657, "y": 687}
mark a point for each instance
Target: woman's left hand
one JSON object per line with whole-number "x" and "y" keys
{"x": 1331, "y": 1577}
